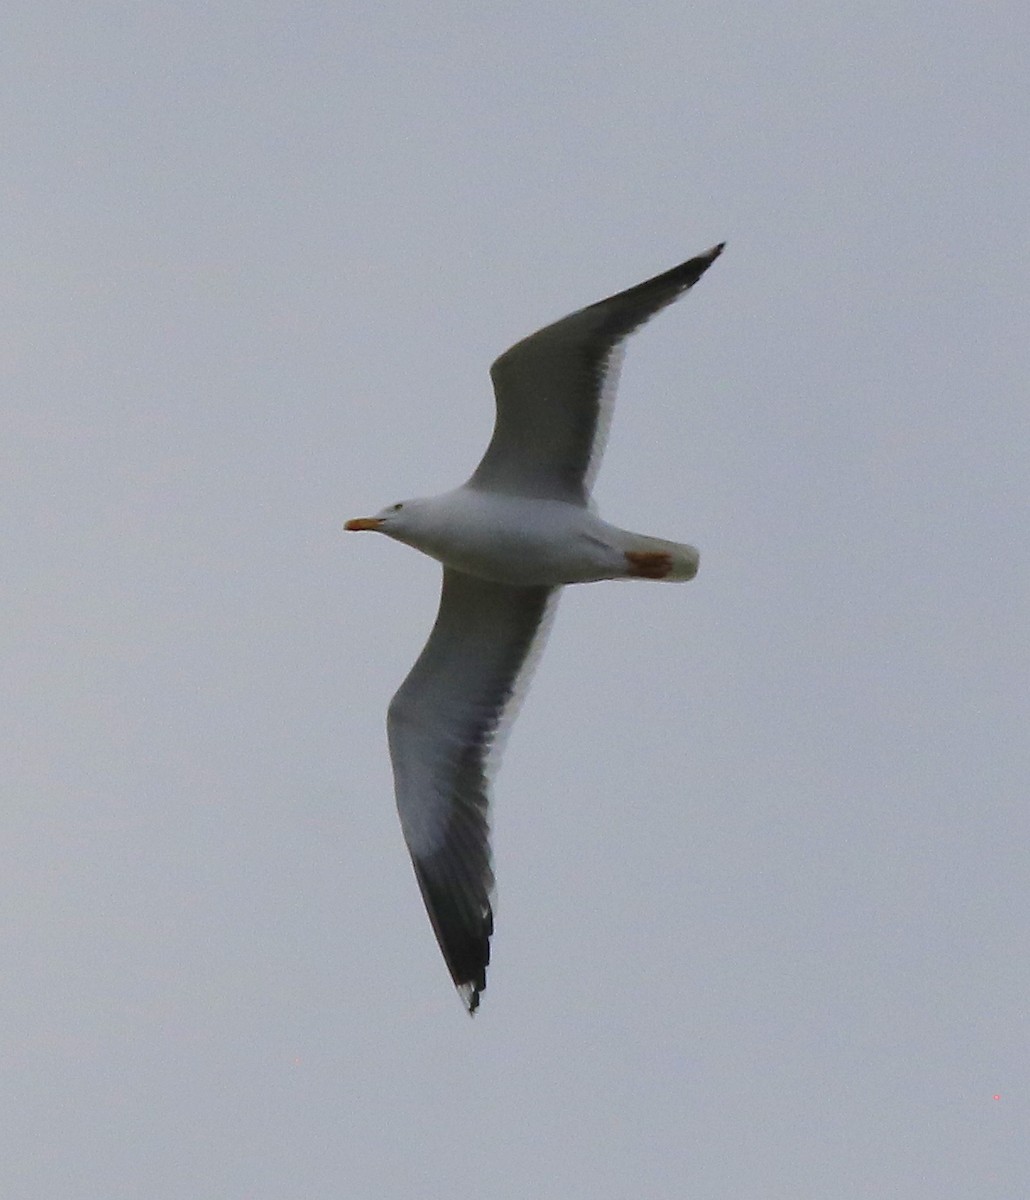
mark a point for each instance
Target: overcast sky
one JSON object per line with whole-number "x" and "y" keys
{"x": 761, "y": 840}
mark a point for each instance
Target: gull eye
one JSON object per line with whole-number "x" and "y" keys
{"x": 396, "y": 507}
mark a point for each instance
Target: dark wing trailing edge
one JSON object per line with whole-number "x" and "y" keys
{"x": 445, "y": 725}
{"x": 555, "y": 390}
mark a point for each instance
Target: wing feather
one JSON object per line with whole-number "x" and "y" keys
{"x": 555, "y": 389}
{"x": 444, "y": 726}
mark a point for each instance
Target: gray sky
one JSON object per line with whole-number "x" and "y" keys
{"x": 761, "y": 840}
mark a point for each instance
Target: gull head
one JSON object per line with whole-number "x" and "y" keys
{"x": 394, "y": 520}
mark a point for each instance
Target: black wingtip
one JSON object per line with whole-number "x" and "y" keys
{"x": 683, "y": 277}
{"x": 463, "y": 932}
{"x": 709, "y": 256}
{"x": 469, "y": 994}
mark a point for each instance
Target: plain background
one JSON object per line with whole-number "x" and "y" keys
{"x": 761, "y": 840}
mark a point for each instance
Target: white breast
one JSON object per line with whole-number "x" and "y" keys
{"x": 518, "y": 540}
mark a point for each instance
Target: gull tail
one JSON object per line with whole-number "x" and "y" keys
{"x": 655, "y": 558}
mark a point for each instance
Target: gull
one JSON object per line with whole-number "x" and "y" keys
{"x": 509, "y": 539}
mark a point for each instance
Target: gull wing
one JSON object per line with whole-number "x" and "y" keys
{"x": 555, "y": 390}
{"x": 445, "y": 727}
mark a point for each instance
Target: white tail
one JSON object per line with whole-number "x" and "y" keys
{"x": 655, "y": 558}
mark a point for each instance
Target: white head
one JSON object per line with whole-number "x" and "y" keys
{"x": 398, "y": 521}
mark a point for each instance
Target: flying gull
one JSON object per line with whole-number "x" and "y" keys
{"x": 520, "y": 529}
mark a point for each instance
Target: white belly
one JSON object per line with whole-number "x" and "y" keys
{"x": 521, "y": 541}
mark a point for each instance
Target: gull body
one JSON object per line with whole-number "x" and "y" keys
{"x": 524, "y": 541}
{"x": 521, "y": 528}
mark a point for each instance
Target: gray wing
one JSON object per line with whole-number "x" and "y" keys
{"x": 444, "y": 725}
{"x": 555, "y": 390}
